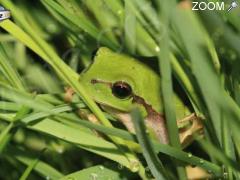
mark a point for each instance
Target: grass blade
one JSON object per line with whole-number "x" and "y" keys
{"x": 95, "y": 172}
{"x": 153, "y": 162}
{"x": 30, "y": 168}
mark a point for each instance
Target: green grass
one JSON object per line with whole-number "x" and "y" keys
{"x": 47, "y": 43}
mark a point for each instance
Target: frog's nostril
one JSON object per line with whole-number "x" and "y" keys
{"x": 94, "y": 81}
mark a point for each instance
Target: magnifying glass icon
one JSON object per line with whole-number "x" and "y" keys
{"x": 4, "y": 14}
{"x": 233, "y": 5}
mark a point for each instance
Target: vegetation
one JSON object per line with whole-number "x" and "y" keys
{"x": 47, "y": 43}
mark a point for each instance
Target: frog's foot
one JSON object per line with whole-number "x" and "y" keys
{"x": 187, "y": 133}
{"x": 89, "y": 116}
{"x": 126, "y": 119}
{"x": 69, "y": 92}
{"x": 84, "y": 114}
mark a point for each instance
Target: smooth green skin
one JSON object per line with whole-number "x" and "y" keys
{"x": 111, "y": 67}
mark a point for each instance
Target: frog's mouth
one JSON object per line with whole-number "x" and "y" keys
{"x": 135, "y": 100}
{"x": 109, "y": 108}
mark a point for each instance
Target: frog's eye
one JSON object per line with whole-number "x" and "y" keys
{"x": 121, "y": 90}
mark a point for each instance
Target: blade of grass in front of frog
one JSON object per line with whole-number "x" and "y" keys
{"x": 166, "y": 81}
{"x": 155, "y": 165}
{"x": 78, "y": 136}
{"x": 81, "y": 139}
{"x": 166, "y": 149}
{"x": 66, "y": 118}
{"x": 172, "y": 127}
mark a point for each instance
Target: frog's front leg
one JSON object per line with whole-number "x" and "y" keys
{"x": 188, "y": 126}
{"x": 86, "y": 114}
{"x": 154, "y": 123}
{"x": 126, "y": 119}
{"x": 69, "y": 92}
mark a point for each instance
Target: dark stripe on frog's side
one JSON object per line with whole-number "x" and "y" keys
{"x": 154, "y": 120}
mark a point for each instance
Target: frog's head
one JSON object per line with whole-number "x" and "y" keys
{"x": 113, "y": 79}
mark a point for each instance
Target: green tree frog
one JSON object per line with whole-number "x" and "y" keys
{"x": 118, "y": 82}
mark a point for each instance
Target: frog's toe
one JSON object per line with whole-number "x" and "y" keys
{"x": 196, "y": 129}
{"x": 68, "y": 96}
